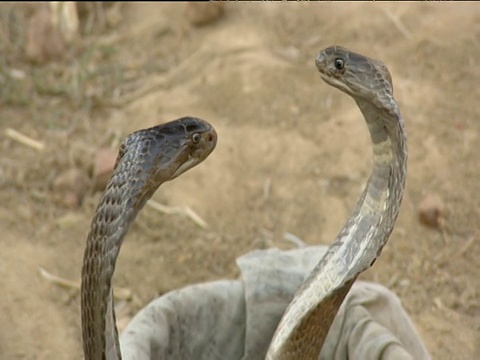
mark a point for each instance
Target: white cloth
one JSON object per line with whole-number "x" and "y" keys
{"x": 233, "y": 320}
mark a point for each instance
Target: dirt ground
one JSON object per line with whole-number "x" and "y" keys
{"x": 293, "y": 155}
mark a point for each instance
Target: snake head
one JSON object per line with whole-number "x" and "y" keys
{"x": 200, "y": 138}
{"x": 357, "y": 75}
{"x": 150, "y": 157}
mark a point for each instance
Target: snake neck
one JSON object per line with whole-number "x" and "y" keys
{"x": 378, "y": 208}
{"x": 118, "y": 207}
{"x": 308, "y": 318}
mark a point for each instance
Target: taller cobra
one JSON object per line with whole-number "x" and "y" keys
{"x": 305, "y": 324}
{"x": 147, "y": 158}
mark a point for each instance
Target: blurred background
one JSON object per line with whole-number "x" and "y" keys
{"x": 292, "y": 158}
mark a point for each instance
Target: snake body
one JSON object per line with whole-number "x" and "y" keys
{"x": 305, "y": 324}
{"x": 146, "y": 159}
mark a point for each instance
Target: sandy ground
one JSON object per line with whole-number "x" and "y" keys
{"x": 252, "y": 75}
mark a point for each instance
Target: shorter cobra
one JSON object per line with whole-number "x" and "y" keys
{"x": 147, "y": 158}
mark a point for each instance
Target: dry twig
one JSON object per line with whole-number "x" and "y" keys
{"x": 467, "y": 246}
{"x": 398, "y": 24}
{"x": 183, "y": 210}
{"x": 118, "y": 293}
{"x": 24, "y": 140}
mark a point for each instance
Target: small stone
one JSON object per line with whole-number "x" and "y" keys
{"x": 203, "y": 13}
{"x": 70, "y": 187}
{"x": 103, "y": 164}
{"x": 432, "y": 211}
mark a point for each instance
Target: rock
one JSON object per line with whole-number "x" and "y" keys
{"x": 203, "y": 13}
{"x": 103, "y": 164}
{"x": 432, "y": 211}
{"x": 70, "y": 187}
{"x": 44, "y": 41}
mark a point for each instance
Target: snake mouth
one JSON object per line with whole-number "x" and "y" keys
{"x": 336, "y": 83}
{"x": 198, "y": 153}
{"x": 191, "y": 162}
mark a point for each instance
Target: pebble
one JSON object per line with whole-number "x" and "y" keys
{"x": 203, "y": 13}
{"x": 432, "y": 211}
{"x": 103, "y": 164}
{"x": 70, "y": 187}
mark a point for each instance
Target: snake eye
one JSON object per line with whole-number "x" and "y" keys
{"x": 196, "y": 138}
{"x": 339, "y": 63}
